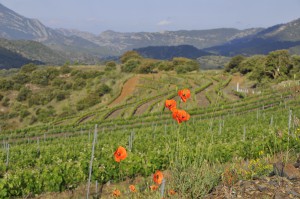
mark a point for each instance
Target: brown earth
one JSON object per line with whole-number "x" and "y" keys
{"x": 201, "y": 98}
{"x": 115, "y": 114}
{"x": 127, "y": 90}
{"x": 140, "y": 110}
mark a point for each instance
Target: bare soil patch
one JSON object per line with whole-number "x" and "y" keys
{"x": 127, "y": 90}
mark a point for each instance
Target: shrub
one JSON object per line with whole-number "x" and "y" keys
{"x": 102, "y": 90}
{"x": 5, "y": 101}
{"x": 23, "y": 94}
{"x": 130, "y": 65}
{"x": 111, "y": 65}
{"x": 28, "y": 68}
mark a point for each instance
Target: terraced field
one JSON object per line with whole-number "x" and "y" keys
{"x": 222, "y": 127}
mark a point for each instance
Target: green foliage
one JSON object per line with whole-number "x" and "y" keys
{"x": 86, "y": 74}
{"x": 102, "y": 90}
{"x": 61, "y": 95}
{"x": 28, "y": 68}
{"x": 146, "y": 66}
{"x": 21, "y": 78}
{"x": 1, "y": 96}
{"x": 278, "y": 64}
{"x": 213, "y": 62}
{"x": 6, "y": 84}
{"x": 165, "y": 66}
{"x": 40, "y": 77}
{"x": 65, "y": 69}
{"x": 41, "y": 98}
{"x": 5, "y": 101}
{"x": 23, "y": 94}
{"x": 91, "y": 100}
{"x": 130, "y": 55}
{"x": 253, "y": 63}
{"x": 111, "y": 65}
{"x": 130, "y": 65}
{"x": 234, "y": 63}
{"x": 184, "y": 65}
{"x": 43, "y": 114}
{"x": 58, "y": 82}
{"x": 79, "y": 84}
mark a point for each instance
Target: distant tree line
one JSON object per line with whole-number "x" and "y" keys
{"x": 276, "y": 66}
{"x": 132, "y": 62}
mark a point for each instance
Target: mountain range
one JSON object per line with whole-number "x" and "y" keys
{"x": 74, "y": 45}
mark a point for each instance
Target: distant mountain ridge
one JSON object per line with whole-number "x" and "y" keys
{"x": 89, "y": 48}
{"x": 281, "y": 36}
{"x": 16, "y": 27}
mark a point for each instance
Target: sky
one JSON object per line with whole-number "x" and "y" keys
{"x": 96, "y": 16}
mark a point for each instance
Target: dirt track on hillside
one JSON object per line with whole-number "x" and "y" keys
{"x": 127, "y": 90}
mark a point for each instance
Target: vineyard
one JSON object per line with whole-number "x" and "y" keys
{"x": 225, "y": 126}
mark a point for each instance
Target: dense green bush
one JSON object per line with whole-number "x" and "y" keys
{"x": 102, "y": 90}
{"x": 130, "y": 65}
{"x": 111, "y": 65}
{"x": 79, "y": 84}
{"x": 6, "y": 84}
{"x": 23, "y": 94}
{"x": 28, "y": 68}
{"x": 184, "y": 65}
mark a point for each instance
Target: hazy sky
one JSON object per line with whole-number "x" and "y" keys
{"x": 156, "y": 15}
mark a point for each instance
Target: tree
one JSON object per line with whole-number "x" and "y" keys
{"x": 21, "y": 78}
{"x": 130, "y": 65}
{"x": 130, "y": 55}
{"x": 278, "y": 64}
{"x": 146, "y": 66}
{"x": 234, "y": 63}
{"x": 111, "y": 65}
{"x": 23, "y": 94}
{"x": 295, "y": 71}
{"x": 65, "y": 69}
{"x": 28, "y": 68}
{"x": 6, "y": 84}
{"x": 165, "y": 65}
{"x": 102, "y": 90}
{"x": 183, "y": 65}
{"x": 251, "y": 64}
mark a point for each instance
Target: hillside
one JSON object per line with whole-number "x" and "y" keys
{"x": 16, "y": 27}
{"x": 282, "y": 36}
{"x": 169, "y": 52}
{"x": 214, "y": 149}
{"x": 10, "y": 59}
{"x": 31, "y": 50}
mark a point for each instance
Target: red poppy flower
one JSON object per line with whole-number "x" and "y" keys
{"x": 120, "y": 154}
{"x": 180, "y": 116}
{"x": 172, "y": 192}
{"x": 132, "y": 188}
{"x": 153, "y": 187}
{"x": 116, "y": 193}
{"x": 170, "y": 104}
{"x": 184, "y": 94}
{"x": 158, "y": 177}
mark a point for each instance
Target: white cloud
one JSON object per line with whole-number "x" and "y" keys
{"x": 164, "y": 23}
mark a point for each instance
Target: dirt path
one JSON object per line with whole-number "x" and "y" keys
{"x": 115, "y": 114}
{"x": 202, "y": 101}
{"x": 127, "y": 90}
{"x": 141, "y": 109}
{"x": 232, "y": 86}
